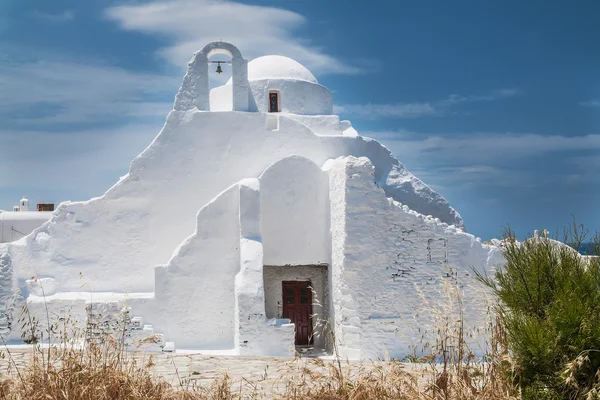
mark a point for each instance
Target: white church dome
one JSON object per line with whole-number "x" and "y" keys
{"x": 276, "y": 84}
{"x": 277, "y": 67}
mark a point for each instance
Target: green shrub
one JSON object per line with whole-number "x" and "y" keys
{"x": 549, "y": 305}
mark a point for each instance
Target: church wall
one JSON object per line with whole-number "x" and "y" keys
{"x": 195, "y": 291}
{"x": 255, "y": 334}
{"x": 398, "y": 273}
{"x": 321, "y": 124}
{"x": 295, "y": 96}
{"x": 114, "y": 241}
{"x": 294, "y": 205}
{"x": 210, "y": 295}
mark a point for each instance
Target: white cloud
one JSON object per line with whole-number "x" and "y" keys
{"x": 256, "y": 30}
{"x": 91, "y": 159}
{"x": 496, "y": 94}
{"x": 591, "y": 103}
{"x": 422, "y": 109}
{"x": 52, "y": 106}
{"x": 54, "y": 89}
{"x": 405, "y": 110}
{"x": 483, "y": 146}
{"x": 64, "y": 16}
{"x": 497, "y": 159}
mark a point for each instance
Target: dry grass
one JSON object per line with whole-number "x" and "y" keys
{"x": 395, "y": 380}
{"x": 103, "y": 372}
{"x": 93, "y": 373}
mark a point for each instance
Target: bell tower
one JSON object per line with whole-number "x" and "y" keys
{"x": 195, "y": 91}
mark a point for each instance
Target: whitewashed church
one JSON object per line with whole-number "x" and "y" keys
{"x": 256, "y": 222}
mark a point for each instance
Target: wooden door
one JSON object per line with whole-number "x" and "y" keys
{"x": 273, "y": 102}
{"x": 297, "y": 306}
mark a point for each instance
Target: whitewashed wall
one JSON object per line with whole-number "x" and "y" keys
{"x": 396, "y": 273}
{"x": 294, "y": 202}
{"x": 117, "y": 239}
{"x": 195, "y": 291}
{"x": 322, "y": 124}
{"x": 390, "y": 274}
{"x": 295, "y": 96}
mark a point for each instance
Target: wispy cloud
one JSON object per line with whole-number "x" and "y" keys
{"x": 64, "y": 16}
{"x": 489, "y": 146}
{"x": 591, "y": 103}
{"x": 87, "y": 160}
{"x": 420, "y": 109}
{"x": 255, "y": 29}
{"x": 48, "y": 89}
{"x": 86, "y": 119}
{"x": 401, "y": 110}
{"x": 497, "y": 94}
{"x": 500, "y": 159}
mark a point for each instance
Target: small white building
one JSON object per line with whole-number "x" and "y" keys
{"x": 256, "y": 221}
{"x": 20, "y": 222}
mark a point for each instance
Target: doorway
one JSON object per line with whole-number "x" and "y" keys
{"x": 315, "y": 277}
{"x": 297, "y": 306}
{"x": 273, "y": 101}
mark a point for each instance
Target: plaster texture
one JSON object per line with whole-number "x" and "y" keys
{"x": 391, "y": 301}
{"x": 294, "y": 204}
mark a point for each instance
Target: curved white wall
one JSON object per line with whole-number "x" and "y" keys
{"x": 294, "y": 203}
{"x": 295, "y": 97}
{"x": 220, "y": 98}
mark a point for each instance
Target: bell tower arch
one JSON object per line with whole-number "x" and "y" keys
{"x": 195, "y": 91}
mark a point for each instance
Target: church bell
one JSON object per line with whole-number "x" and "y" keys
{"x": 219, "y": 69}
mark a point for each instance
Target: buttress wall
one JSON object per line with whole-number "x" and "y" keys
{"x": 399, "y": 275}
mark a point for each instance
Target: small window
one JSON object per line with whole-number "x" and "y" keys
{"x": 289, "y": 296}
{"x": 303, "y": 296}
{"x": 273, "y": 102}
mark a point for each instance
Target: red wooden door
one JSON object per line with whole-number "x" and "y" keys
{"x": 273, "y": 102}
{"x": 297, "y": 306}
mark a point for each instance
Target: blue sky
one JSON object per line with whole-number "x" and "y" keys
{"x": 496, "y": 105}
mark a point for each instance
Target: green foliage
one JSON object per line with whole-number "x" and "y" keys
{"x": 549, "y": 305}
